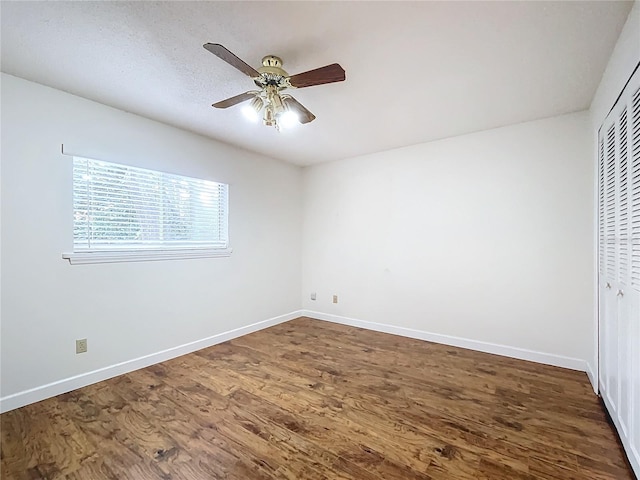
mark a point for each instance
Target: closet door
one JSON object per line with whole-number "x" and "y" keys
{"x": 608, "y": 285}
{"x": 619, "y": 266}
{"x": 624, "y": 323}
{"x": 633, "y": 291}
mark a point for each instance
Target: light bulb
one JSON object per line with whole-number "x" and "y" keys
{"x": 288, "y": 119}
{"x": 250, "y": 113}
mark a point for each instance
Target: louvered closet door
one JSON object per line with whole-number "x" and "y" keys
{"x": 634, "y": 272}
{"x": 608, "y": 274}
{"x": 619, "y": 266}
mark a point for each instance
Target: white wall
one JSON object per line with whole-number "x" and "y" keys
{"x": 623, "y": 61}
{"x": 485, "y": 236}
{"x": 128, "y": 310}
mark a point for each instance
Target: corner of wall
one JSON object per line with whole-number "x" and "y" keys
{"x": 593, "y": 378}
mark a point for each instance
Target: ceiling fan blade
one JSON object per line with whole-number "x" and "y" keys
{"x": 221, "y": 52}
{"x": 328, "y": 74}
{"x": 305, "y": 115}
{"x": 230, "y": 102}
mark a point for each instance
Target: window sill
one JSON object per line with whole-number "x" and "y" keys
{"x": 84, "y": 258}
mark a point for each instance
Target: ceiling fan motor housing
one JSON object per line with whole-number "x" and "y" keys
{"x": 271, "y": 73}
{"x": 271, "y": 61}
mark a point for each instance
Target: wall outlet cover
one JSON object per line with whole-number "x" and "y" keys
{"x": 81, "y": 345}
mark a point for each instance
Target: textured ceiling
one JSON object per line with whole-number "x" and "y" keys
{"x": 416, "y": 71}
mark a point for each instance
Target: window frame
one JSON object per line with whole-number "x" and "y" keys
{"x": 156, "y": 252}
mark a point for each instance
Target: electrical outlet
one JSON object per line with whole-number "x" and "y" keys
{"x": 81, "y": 345}
{"x": 313, "y": 295}
{"x": 335, "y": 299}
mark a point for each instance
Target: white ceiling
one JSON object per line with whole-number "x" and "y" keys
{"x": 416, "y": 71}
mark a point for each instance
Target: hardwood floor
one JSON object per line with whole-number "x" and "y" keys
{"x": 313, "y": 400}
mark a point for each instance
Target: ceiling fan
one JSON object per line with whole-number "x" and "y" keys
{"x": 278, "y": 110}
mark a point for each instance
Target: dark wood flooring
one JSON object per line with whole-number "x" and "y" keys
{"x": 313, "y": 400}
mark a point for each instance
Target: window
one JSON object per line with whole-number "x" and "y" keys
{"x": 123, "y": 213}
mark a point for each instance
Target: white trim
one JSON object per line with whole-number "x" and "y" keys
{"x": 84, "y": 258}
{"x": 36, "y": 394}
{"x": 632, "y": 454}
{"x": 593, "y": 378}
{"x": 494, "y": 348}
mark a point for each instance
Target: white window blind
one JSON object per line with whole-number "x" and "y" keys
{"x": 122, "y": 208}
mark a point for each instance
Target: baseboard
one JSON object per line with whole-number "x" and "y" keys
{"x": 496, "y": 349}
{"x": 593, "y": 378}
{"x": 26, "y": 397}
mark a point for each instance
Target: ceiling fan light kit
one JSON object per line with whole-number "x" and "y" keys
{"x": 277, "y": 109}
